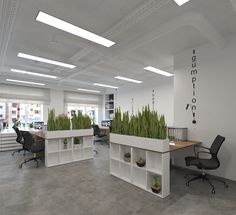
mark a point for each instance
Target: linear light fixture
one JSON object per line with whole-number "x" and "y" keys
{"x": 87, "y": 90}
{"x": 161, "y": 72}
{"x": 33, "y": 73}
{"x": 45, "y": 60}
{"x": 128, "y": 79}
{"x": 181, "y": 2}
{"x": 104, "y": 85}
{"x": 65, "y": 26}
{"x": 24, "y": 82}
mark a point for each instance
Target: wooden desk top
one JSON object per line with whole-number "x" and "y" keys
{"x": 182, "y": 144}
{"x": 40, "y": 134}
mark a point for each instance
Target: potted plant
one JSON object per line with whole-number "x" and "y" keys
{"x": 141, "y": 162}
{"x": 127, "y": 157}
{"x": 78, "y": 142}
{"x": 156, "y": 186}
{"x": 31, "y": 125}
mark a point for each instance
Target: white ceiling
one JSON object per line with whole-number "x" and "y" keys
{"x": 146, "y": 32}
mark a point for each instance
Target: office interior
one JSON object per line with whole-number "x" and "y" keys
{"x": 92, "y": 57}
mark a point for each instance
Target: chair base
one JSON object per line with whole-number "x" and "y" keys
{"x": 18, "y": 151}
{"x": 28, "y": 160}
{"x": 205, "y": 177}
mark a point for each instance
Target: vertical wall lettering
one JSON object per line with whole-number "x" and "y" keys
{"x": 193, "y": 73}
{"x": 153, "y": 99}
{"x": 132, "y": 107}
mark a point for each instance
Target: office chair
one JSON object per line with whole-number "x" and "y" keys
{"x": 100, "y": 136}
{"x": 19, "y": 139}
{"x": 206, "y": 163}
{"x": 33, "y": 147}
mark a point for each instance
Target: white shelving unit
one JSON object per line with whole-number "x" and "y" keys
{"x": 57, "y": 153}
{"x": 109, "y": 106}
{"x": 157, "y": 163}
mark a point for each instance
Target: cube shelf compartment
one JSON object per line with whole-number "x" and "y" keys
{"x": 156, "y": 164}
{"x": 149, "y": 182}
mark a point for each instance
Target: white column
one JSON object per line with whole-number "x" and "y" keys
{"x": 57, "y": 101}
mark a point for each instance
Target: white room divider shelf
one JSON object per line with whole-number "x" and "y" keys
{"x": 57, "y": 153}
{"x": 154, "y": 153}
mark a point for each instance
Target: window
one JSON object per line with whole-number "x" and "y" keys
{"x": 90, "y": 110}
{"x": 25, "y": 113}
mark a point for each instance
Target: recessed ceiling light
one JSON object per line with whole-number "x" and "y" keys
{"x": 87, "y": 90}
{"x": 65, "y": 26}
{"x": 104, "y": 85}
{"x": 181, "y": 2}
{"x": 128, "y": 79}
{"x": 45, "y": 60}
{"x": 161, "y": 72}
{"x": 33, "y": 73}
{"x": 24, "y": 82}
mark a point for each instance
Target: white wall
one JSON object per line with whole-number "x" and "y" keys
{"x": 142, "y": 95}
{"x": 216, "y": 103}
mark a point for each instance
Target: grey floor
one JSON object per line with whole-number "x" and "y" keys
{"x": 87, "y": 188}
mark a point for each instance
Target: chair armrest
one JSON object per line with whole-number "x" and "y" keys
{"x": 203, "y": 152}
{"x": 197, "y": 146}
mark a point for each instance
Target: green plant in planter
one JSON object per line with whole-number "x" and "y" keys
{"x": 56, "y": 123}
{"x": 80, "y": 121}
{"x": 146, "y": 123}
{"x": 127, "y": 157}
{"x": 51, "y": 120}
{"x": 62, "y": 122}
{"x": 156, "y": 185}
{"x": 78, "y": 141}
{"x": 141, "y": 162}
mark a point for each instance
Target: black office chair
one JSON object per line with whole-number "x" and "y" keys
{"x": 19, "y": 139}
{"x": 33, "y": 147}
{"x": 99, "y": 136}
{"x": 206, "y": 164}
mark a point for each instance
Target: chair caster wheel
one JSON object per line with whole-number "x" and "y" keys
{"x": 213, "y": 192}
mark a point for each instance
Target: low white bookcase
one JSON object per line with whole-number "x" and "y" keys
{"x": 57, "y": 153}
{"x": 154, "y": 151}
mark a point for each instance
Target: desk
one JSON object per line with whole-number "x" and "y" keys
{"x": 182, "y": 144}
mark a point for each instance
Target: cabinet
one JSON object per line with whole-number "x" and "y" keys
{"x": 156, "y": 164}
{"x": 62, "y": 147}
{"x": 109, "y": 106}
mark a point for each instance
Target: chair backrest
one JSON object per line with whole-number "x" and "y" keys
{"x": 28, "y": 140}
{"x": 216, "y": 144}
{"x": 19, "y": 137}
{"x": 96, "y": 130}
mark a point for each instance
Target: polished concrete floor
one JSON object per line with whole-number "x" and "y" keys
{"x": 87, "y": 188}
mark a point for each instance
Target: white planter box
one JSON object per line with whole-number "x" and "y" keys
{"x": 151, "y": 144}
{"x": 68, "y": 133}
